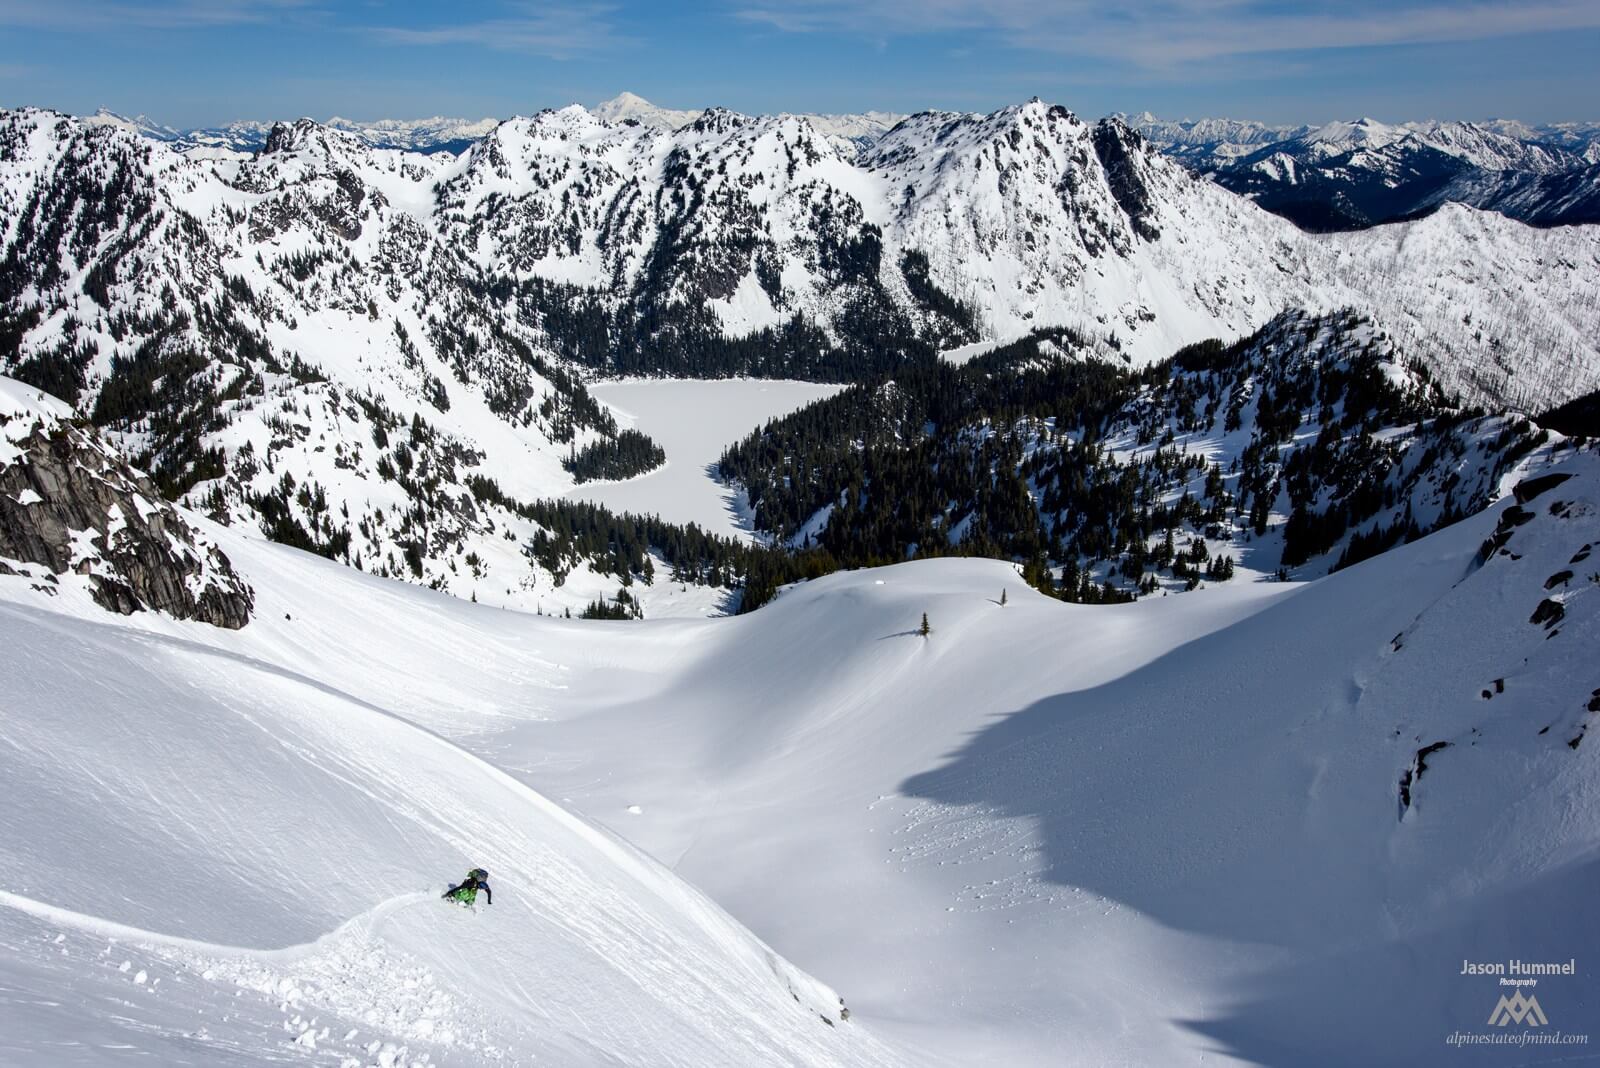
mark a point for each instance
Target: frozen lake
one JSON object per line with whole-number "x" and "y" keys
{"x": 693, "y": 421}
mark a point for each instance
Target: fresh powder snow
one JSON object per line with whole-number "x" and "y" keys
{"x": 1041, "y": 834}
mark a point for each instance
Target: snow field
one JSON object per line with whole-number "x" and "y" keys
{"x": 1159, "y": 833}
{"x": 199, "y": 792}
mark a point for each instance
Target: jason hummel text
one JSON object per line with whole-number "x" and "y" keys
{"x": 1519, "y": 967}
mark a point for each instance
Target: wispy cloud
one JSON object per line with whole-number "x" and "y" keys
{"x": 551, "y": 31}
{"x": 91, "y": 16}
{"x": 1158, "y": 34}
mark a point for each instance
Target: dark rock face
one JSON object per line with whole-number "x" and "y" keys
{"x": 1529, "y": 488}
{"x": 70, "y": 503}
{"x": 1118, "y": 149}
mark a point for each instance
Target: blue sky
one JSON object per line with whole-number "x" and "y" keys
{"x": 197, "y": 62}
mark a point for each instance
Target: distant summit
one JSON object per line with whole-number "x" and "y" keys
{"x": 630, "y": 107}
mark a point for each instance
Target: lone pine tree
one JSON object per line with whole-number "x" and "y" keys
{"x": 924, "y": 630}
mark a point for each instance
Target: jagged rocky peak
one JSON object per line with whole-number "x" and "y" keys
{"x": 73, "y": 510}
{"x": 306, "y": 146}
{"x": 719, "y": 121}
{"x": 291, "y": 136}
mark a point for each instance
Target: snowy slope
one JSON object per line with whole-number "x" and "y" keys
{"x": 265, "y": 846}
{"x": 1063, "y": 835}
{"x": 1045, "y": 834}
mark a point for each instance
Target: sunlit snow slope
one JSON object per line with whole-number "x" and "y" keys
{"x": 210, "y": 856}
{"x": 1153, "y": 834}
{"x": 1140, "y": 834}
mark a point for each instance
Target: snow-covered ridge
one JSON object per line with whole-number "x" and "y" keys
{"x": 1083, "y": 227}
{"x": 1346, "y": 174}
{"x": 1353, "y": 174}
{"x": 437, "y": 134}
{"x": 1027, "y": 217}
{"x": 454, "y": 135}
{"x": 1205, "y": 143}
{"x": 251, "y": 853}
{"x": 1495, "y": 144}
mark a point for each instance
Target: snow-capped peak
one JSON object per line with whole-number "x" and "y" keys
{"x": 626, "y": 107}
{"x": 142, "y": 125}
{"x": 1363, "y": 131}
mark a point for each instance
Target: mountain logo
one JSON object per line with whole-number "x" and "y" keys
{"x": 1517, "y": 1009}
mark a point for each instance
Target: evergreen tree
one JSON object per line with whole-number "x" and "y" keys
{"x": 924, "y": 630}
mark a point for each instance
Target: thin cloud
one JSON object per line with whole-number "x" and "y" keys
{"x": 540, "y": 30}
{"x": 1158, "y": 34}
{"x": 91, "y": 16}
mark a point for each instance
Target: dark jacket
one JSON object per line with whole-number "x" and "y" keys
{"x": 472, "y": 883}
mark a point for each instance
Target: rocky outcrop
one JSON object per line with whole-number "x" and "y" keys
{"x": 72, "y": 505}
{"x": 1119, "y": 150}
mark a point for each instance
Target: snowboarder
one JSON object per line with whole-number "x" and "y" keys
{"x": 466, "y": 892}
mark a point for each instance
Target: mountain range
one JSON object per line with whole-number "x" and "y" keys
{"x": 1341, "y": 175}
{"x": 440, "y": 134}
{"x": 1352, "y": 175}
{"x": 381, "y": 355}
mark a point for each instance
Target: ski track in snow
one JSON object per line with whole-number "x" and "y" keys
{"x": 348, "y": 993}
